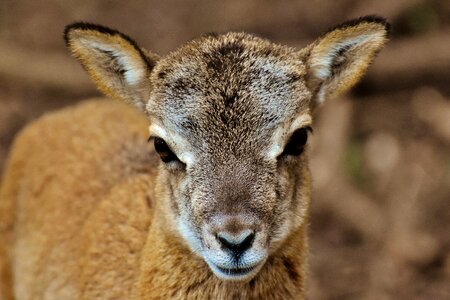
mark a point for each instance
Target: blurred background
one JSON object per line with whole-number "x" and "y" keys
{"x": 380, "y": 226}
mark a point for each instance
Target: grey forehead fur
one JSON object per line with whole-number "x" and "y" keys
{"x": 228, "y": 90}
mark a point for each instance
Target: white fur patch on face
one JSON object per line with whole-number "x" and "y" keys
{"x": 282, "y": 133}
{"x": 299, "y": 122}
{"x": 176, "y": 143}
{"x": 189, "y": 235}
{"x": 134, "y": 69}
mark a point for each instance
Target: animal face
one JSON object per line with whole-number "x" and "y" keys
{"x": 227, "y": 114}
{"x": 230, "y": 116}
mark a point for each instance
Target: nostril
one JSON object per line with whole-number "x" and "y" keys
{"x": 247, "y": 242}
{"x": 237, "y": 244}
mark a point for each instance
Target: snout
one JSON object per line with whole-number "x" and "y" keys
{"x": 235, "y": 246}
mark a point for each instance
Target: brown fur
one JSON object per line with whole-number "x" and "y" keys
{"x": 86, "y": 213}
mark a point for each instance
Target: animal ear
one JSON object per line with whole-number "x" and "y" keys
{"x": 338, "y": 59}
{"x": 116, "y": 64}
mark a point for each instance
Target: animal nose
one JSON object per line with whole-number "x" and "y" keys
{"x": 236, "y": 243}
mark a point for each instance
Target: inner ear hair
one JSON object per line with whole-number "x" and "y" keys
{"x": 148, "y": 57}
{"x": 117, "y": 65}
{"x": 338, "y": 58}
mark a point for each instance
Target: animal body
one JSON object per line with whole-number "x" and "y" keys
{"x": 218, "y": 209}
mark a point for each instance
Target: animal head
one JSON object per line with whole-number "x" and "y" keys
{"x": 230, "y": 116}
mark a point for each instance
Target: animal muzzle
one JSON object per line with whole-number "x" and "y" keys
{"x": 235, "y": 246}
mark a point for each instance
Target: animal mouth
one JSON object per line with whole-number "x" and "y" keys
{"x": 236, "y": 271}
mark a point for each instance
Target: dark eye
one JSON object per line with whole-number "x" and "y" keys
{"x": 297, "y": 142}
{"x": 164, "y": 151}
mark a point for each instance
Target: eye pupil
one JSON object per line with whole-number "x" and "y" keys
{"x": 297, "y": 142}
{"x": 164, "y": 151}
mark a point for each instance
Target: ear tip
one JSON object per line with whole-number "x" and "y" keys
{"x": 87, "y": 27}
{"x": 365, "y": 19}
{"x": 378, "y": 19}
{"x": 74, "y": 26}
{"x": 67, "y": 31}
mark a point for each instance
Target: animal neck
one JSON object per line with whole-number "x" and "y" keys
{"x": 169, "y": 270}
